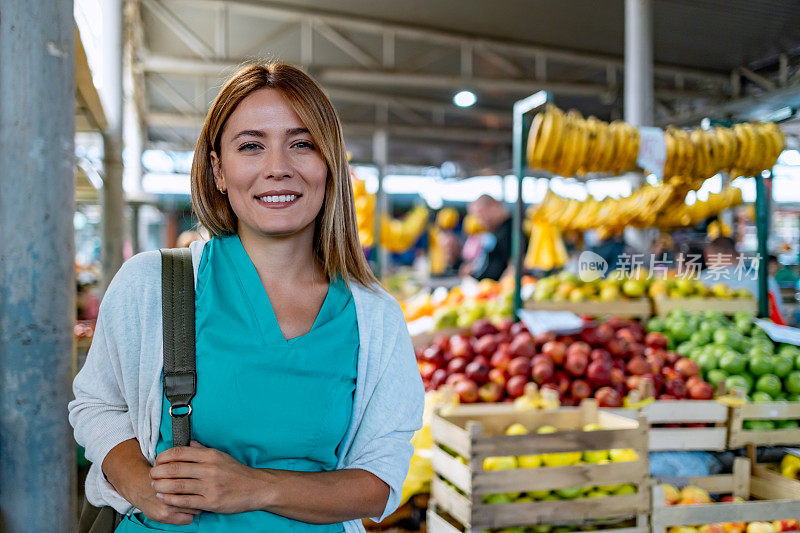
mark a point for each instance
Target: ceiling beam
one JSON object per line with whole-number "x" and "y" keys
{"x": 346, "y": 45}
{"x": 277, "y": 10}
{"x": 475, "y": 135}
{"x": 174, "y": 65}
{"x": 181, "y": 30}
{"x": 85, "y": 91}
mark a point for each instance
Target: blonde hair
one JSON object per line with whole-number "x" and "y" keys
{"x": 336, "y": 244}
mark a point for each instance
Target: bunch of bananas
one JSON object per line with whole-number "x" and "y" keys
{"x": 568, "y": 144}
{"x": 679, "y": 214}
{"x": 396, "y": 235}
{"x": 546, "y": 249}
{"x": 744, "y": 150}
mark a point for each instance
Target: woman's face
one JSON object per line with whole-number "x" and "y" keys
{"x": 270, "y": 167}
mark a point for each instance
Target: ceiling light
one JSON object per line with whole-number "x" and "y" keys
{"x": 464, "y": 99}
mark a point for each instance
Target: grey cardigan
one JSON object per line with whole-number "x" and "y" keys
{"x": 118, "y": 392}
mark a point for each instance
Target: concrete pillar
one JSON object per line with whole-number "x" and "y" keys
{"x": 113, "y": 195}
{"x": 639, "y": 101}
{"x": 37, "y": 269}
{"x": 380, "y": 154}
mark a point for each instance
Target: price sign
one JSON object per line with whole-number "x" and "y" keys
{"x": 559, "y": 322}
{"x": 652, "y": 150}
{"x": 786, "y": 334}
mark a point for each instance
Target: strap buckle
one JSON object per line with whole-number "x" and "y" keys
{"x": 177, "y": 415}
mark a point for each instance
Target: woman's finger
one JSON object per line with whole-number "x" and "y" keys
{"x": 177, "y": 486}
{"x": 182, "y": 500}
{"x": 178, "y": 470}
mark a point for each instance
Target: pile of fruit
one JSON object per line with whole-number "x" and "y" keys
{"x": 738, "y": 353}
{"x": 692, "y": 495}
{"x": 674, "y": 286}
{"x": 492, "y": 300}
{"x": 568, "y": 145}
{"x": 594, "y": 525}
{"x": 396, "y": 235}
{"x": 566, "y": 286}
{"x": 607, "y": 361}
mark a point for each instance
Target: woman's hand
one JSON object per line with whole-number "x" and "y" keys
{"x": 203, "y": 478}
{"x": 155, "y": 509}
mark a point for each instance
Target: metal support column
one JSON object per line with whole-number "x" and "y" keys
{"x": 763, "y": 200}
{"x": 113, "y": 194}
{"x": 380, "y": 154}
{"x": 519, "y": 132}
{"x": 639, "y": 101}
{"x": 37, "y": 265}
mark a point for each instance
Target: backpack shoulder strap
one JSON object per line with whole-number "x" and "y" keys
{"x": 177, "y": 307}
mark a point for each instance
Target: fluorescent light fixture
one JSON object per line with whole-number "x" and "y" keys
{"x": 789, "y": 157}
{"x": 464, "y": 99}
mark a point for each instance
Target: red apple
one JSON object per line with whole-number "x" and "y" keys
{"x": 434, "y": 355}
{"x": 701, "y": 391}
{"x": 692, "y": 381}
{"x": 636, "y": 349}
{"x": 670, "y": 373}
{"x": 556, "y": 351}
{"x": 519, "y": 366}
{"x": 599, "y": 373}
{"x": 676, "y": 387}
{"x": 672, "y": 357}
{"x": 580, "y": 347}
{"x": 542, "y": 373}
{"x": 426, "y": 369}
{"x": 619, "y": 363}
{"x": 617, "y": 376}
{"x": 589, "y": 335}
{"x": 461, "y": 347}
{"x": 438, "y": 378}
{"x": 576, "y": 364}
{"x": 638, "y": 366}
{"x": 687, "y": 367}
{"x": 486, "y": 345}
{"x": 498, "y": 376}
{"x": 604, "y": 333}
{"x": 467, "y": 390}
{"x": 490, "y": 392}
{"x": 482, "y": 327}
{"x": 457, "y": 365}
{"x": 562, "y": 380}
{"x": 608, "y": 397}
{"x": 505, "y": 324}
{"x": 657, "y": 362}
{"x": 632, "y": 382}
{"x": 516, "y": 386}
{"x": 616, "y": 347}
{"x": 599, "y": 353}
{"x": 477, "y": 372}
{"x": 501, "y": 358}
{"x": 543, "y": 359}
{"x": 480, "y": 359}
{"x": 626, "y": 334}
{"x": 580, "y": 389}
{"x": 522, "y": 346}
{"x": 452, "y": 379}
{"x": 656, "y": 340}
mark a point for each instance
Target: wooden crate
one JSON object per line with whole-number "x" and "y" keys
{"x": 663, "y": 306}
{"x": 684, "y": 412}
{"x": 774, "y": 501}
{"x": 477, "y": 436}
{"x": 639, "y": 308}
{"x": 738, "y": 436}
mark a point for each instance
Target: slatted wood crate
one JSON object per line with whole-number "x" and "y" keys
{"x": 738, "y": 436}
{"x": 684, "y": 412}
{"x": 776, "y": 499}
{"x": 458, "y": 488}
{"x": 663, "y": 306}
{"x": 636, "y": 308}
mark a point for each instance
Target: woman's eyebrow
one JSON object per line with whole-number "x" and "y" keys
{"x": 296, "y": 131}
{"x": 248, "y": 133}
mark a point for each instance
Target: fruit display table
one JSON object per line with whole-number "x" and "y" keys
{"x": 693, "y": 506}
{"x": 636, "y": 308}
{"x": 663, "y": 305}
{"x": 538, "y": 467}
{"x": 781, "y": 428}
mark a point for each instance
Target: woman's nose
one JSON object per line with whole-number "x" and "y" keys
{"x": 276, "y": 165}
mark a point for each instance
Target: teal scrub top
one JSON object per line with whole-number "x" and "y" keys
{"x": 267, "y": 401}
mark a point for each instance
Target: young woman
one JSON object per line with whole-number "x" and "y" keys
{"x": 307, "y": 388}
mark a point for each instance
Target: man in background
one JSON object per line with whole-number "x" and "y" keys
{"x": 495, "y": 252}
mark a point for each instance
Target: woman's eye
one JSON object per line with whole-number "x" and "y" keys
{"x": 248, "y": 146}
{"x": 303, "y": 144}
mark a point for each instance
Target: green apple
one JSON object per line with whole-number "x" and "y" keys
{"x": 627, "y": 488}
{"x": 787, "y": 424}
{"x": 760, "y": 397}
{"x": 737, "y": 381}
{"x": 707, "y": 361}
{"x": 700, "y": 337}
{"x": 782, "y": 365}
{"x": 792, "y": 382}
{"x": 769, "y": 383}
{"x": 715, "y": 376}
{"x": 539, "y": 494}
{"x": 732, "y": 363}
{"x": 760, "y": 365}
{"x": 656, "y": 324}
{"x": 758, "y": 425}
{"x": 569, "y": 493}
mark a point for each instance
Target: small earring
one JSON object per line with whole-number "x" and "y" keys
{"x": 221, "y": 190}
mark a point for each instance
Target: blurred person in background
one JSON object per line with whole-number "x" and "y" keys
{"x": 493, "y": 257}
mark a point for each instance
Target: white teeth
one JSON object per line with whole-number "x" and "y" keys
{"x": 283, "y": 198}
{"x": 278, "y": 198}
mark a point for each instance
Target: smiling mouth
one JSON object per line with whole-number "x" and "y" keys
{"x": 278, "y": 201}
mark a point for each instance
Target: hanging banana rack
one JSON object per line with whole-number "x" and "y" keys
{"x": 523, "y": 112}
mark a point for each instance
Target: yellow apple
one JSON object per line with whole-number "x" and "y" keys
{"x": 516, "y": 429}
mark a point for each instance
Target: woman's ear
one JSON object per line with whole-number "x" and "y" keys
{"x": 216, "y": 168}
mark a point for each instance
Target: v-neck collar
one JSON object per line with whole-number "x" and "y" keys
{"x": 257, "y": 295}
